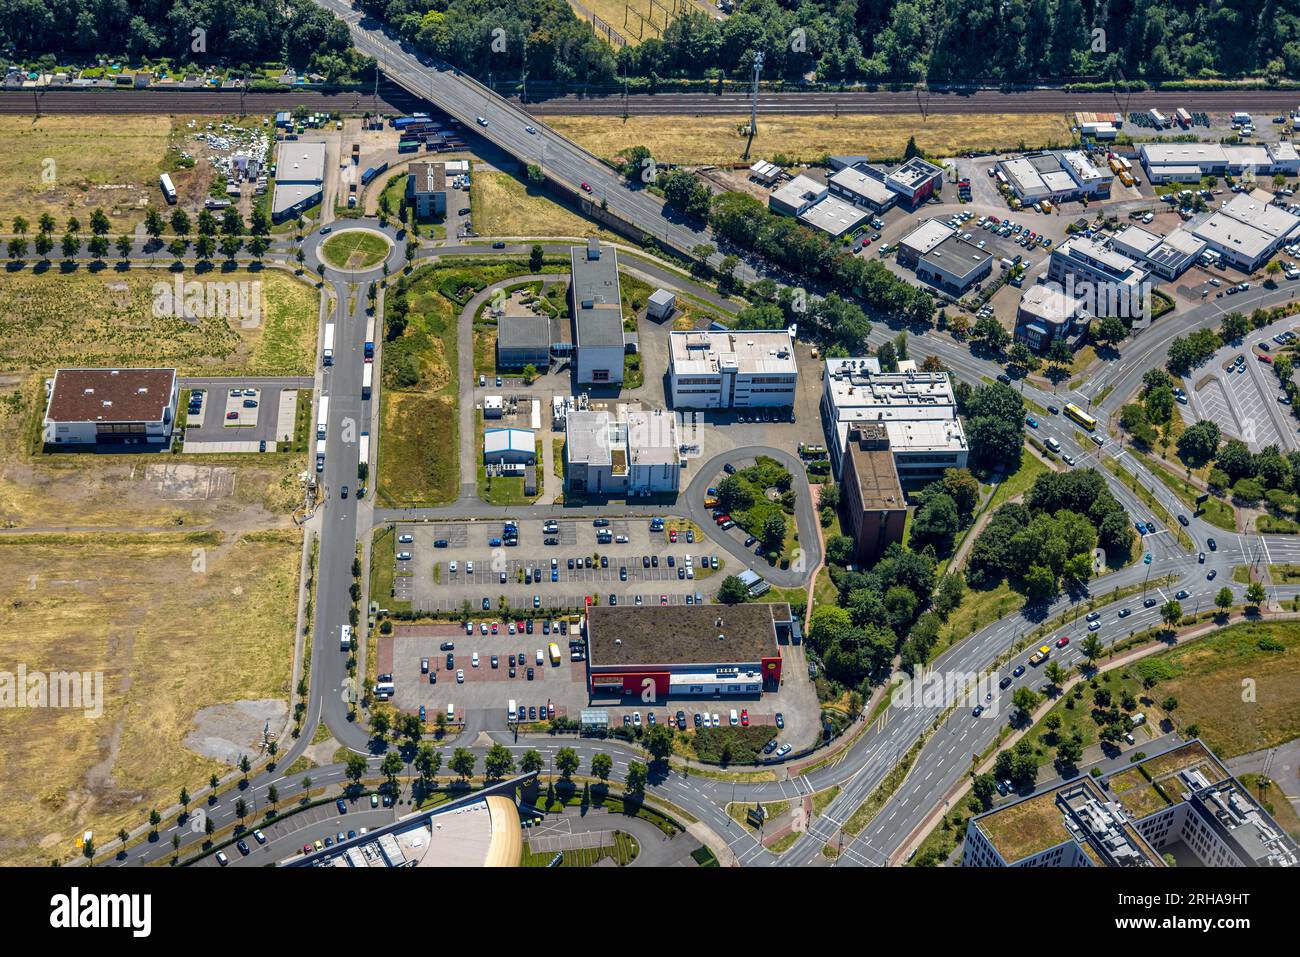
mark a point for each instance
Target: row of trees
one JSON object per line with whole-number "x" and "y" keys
{"x": 1019, "y": 42}
{"x": 297, "y": 32}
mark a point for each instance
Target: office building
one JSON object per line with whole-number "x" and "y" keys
{"x": 621, "y": 453}
{"x": 426, "y": 189}
{"x": 1116, "y": 284}
{"x": 111, "y": 407}
{"x": 1046, "y": 314}
{"x": 873, "y": 505}
{"x": 597, "y": 314}
{"x": 1166, "y": 256}
{"x": 731, "y": 370}
{"x": 1248, "y": 230}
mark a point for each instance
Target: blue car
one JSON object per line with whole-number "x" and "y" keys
{"x": 494, "y": 542}
{"x": 421, "y": 714}
{"x": 1146, "y": 559}
{"x": 486, "y": 604}
{"x": 1031, "y": 421}
{"x": 1141, "y": 527}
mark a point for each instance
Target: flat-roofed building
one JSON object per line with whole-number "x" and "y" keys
{"x": 915, "y": 180}
{"x": 1116, "y": 283}
{"x": 523, "y": 340}
{"x": 834, "y": 216}
{"x": 921, "y": 240}
{"x": 801, "y": 193}
{"x": 1189, "y": 162}
{"x": 509, "y": 447}
{"x": 111, "y": 407}
{"x": 731, "y": 651}
{"x": 597, "y": 314}
{"x": 623, "y": 453}
{"x": 426, "y": 189}
{"x": 954, "y": 266}
{"x": 917, "y": 409}
{"x": 1166, "y": 256}
{"x": 1056, "y": 175}
{"x": 864, "y": 186}
{"x": 873, "y": 504}
{"x": 1046, "y": 314}
{"x": 299, "y": 179}
{"x": 1248, "y": 230}
{"x": 1181, "y": 801}
{"x": 731, "y": 370}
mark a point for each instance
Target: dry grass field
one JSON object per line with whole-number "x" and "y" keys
{"x": 169, "y": 641}
{"x": 504, "y": 206}
{"x": 700, "y": 140}
{"x": 68, "y": 165}
{"x": 656, "y": 15}
{"x": 106, "y": 317}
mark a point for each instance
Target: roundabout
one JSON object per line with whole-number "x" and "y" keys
{"x": 355, "y": 249}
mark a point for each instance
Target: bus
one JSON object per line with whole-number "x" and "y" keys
{"x": 1083, "y": 418}
{"x": 554, "y": 649}
{"x": 168, "y": 190}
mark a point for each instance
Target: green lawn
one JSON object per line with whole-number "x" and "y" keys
{"x": 355, "y": 249}
{"x": 977, "y": 609}
{"x": 623, "y": 852}
{"x": 1215, "y": 511}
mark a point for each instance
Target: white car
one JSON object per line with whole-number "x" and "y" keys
{"x": 474, "y": 660}
{"x": 636, "y": 718}
{"x": 511, "y": 629}
{"x": 530, "y": 131}
{"x": 717, "y": 721}
{"x": 452, "y": 566}
{"x": 469, "y": 627}
{"x": 481, "y": 121}
{"x": 460, "y": 676}
{"x": 469, "y": 568}
{"x": 403, "y": 556}
{"x": 405, "y": 539}
{"x": 540, "y": 659}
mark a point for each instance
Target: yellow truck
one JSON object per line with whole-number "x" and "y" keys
{"x": 1041, "y": 655}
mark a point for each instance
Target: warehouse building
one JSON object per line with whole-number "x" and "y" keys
{"x": 1057, "y": 176}
{"x": 1189, "y": 162}
{"x": 922, "y": 240}
{"x": 110, "y": 407}
{"x": 623, "y": 453}
{"x": 811, "y": 203}
{"x": 1046, "y": 313}
{"x": 797, "y": 196}
{"x": 873, "y": 505}
{"x": 1166, "y": 256}
{"x": 426, "y": 189}
{"x": 523, "y": 340}
{"x": 917, "y": 409}
{"x": 597, "y": 314}
{"x": 299, "y": 179}
{"x": 731, "y": 370}
{"x": 864, "y": 186}
{"x": 1248, "y": 230}
{"x": 954, "y": 266}
{"x": 1181, "y": 801}
{"x": 678, "y": 651}
{"x": 509, "y": 447}
{"x": 915, "y": 181}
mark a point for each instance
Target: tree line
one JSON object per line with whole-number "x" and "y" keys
{"x": 1019, "y": 41}
{"x": 296, "y": 32}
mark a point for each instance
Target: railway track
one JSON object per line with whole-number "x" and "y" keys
{"x": 391, "y": 98}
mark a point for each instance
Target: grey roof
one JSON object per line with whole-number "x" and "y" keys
{"x": 598, "y": 312}
{"x": 523, "y": 332}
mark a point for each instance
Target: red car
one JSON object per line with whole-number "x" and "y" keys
{"x": 586, "y": 188}
{"x": 235, "y": 415}
{"x": 494, "y": 627}
{"x": 306, "y": 848}
{"x": 722, "y": 518}
{"x": 663, "y": 599}
{"x": 1264, "y": 358}
{"x": 1062, "y": 641}
{"x": 672, "y": 536}
{"x": 744, "y": 718}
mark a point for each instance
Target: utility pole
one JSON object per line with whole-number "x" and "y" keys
{"x": 753, "y": 103}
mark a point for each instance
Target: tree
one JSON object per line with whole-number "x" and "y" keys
{"x": 732, "y": 591}
{"x": 124, "y": 244}
{"x": 1169, "y": 704}
{"x": 71, "y": 245}
{"x": 936, "y": 522}
{"x": 356, "y": 767}
{"x": 390, "y": 768}
{"x": 567, "y": 762}
{"x": 498, "y": 762}
{"x": 232, "y": 224}
{"x": 207, "y": 224}
{"x": 153, "y": 222}
{"x": 602, "y": 765}
{"x": 230, "y": 246}
{"x": 1092, "y": 648}
{"x": 839, "y": 551}
{"x": 178, "y": 246}
{"x": 637, "y": 777}
{"x": 1025, "y": 700}
{"x": 659, "y": 742}
{"x": 1255, "y": 593}
{"x": 531, "y": 762}
{"x": 180, "y": 222}
{"x": 17, "y": 247}
{"x": 535, "y": 256}
{"x": 1199, "y": 443}
{"x": 1110, "y": 329}
{"x": 43, "y": 244}
{"x": 462, "y": 762}
{"x": 1055, "y": 673}
{"x": 204, "y": 247}
{"x": 983, "y": 787}
{"x": 772, "y": 533}
{"x": 1171, "y": 613}
{"x": 1224, "y": 598}
{"x": 912, "y": 149}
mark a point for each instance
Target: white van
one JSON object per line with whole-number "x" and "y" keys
{"x": 1052, "y": 444}
{"x": 512, "y": 711}
{"x": 451, "y": 711}
{"x": 735, "y": 717}
{"x": 345, "y": 638}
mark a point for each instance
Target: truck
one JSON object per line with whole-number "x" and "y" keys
{"x": 345, "y": 638}
{"x": 371, "y": 172}
{"x": 168, "y": 190}
{"x": 328, "y": 351}
{"x": 554, "y": 651}
{"x": 1158, "y": 119}
{"x": 322, "y": 416}
{"x": 1183, "y": 117}
{"x": 320, "y": 455}
{"x": 356, "y": 154}
{"x": 363, "y": 458}
{"x": 365, "y": 380}
{"x": 1041, "y": 655}
{"x": 370, "y": 339}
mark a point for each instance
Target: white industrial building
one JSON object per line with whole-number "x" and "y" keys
{"x": 110, "y": 407}
{"x": 509, "y": 447}
{"x": 731, "y": 370}
{"x": 1248, "y": 230}
{"x": 1056, "y": 175}
{"x": 623, "y": 453}
{"x": 811, "y": 203}
{"x": 1189, "y": 162}
{"x": 917, "y": 409}
{"x": 299, "y": 179}
{"x": 661, "y": 305}
{"x": 597, "y": 314}
{"x": 1166, "y": 256}
{"x": 1110, "y": 282}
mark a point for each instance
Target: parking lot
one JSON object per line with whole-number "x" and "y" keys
{"x": 261, "y": 414}
{"x": 480, "y": 696}
{"x": 447, "y": 566}
{"x": 1239, "y": 392}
